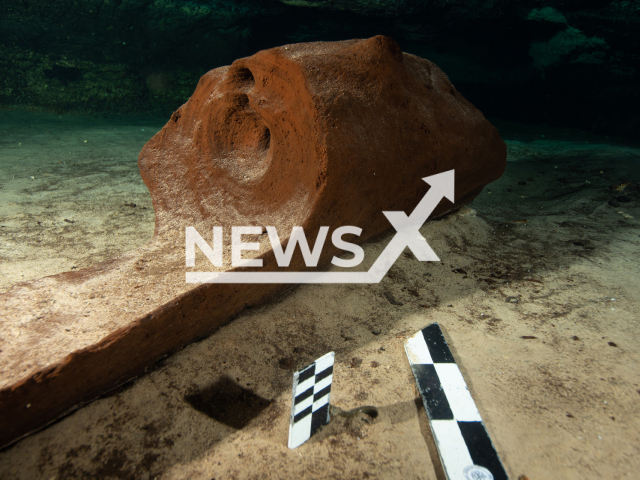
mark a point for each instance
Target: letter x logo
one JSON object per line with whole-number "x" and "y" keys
{"x": 407, "y": 235}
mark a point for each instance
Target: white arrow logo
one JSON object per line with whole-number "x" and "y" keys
{"x": 407, "y": 235}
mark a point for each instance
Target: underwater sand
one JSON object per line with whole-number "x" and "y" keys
{"x": 68, "y": 186}
{"x": 540, "y": 253}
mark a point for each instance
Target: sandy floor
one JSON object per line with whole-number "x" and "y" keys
{"x": 70, "y": 192}
{"x": 549, "y": 252}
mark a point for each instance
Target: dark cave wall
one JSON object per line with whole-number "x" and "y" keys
{"x": 569, "y": 63}
{"x": 114, "y": 55}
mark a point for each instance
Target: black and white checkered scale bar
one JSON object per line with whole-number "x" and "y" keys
{"x": 311, "y": 394}
{"x": 463, "y": 444}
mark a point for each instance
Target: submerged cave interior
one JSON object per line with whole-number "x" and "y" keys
{"x": 566, "y": 63}
{"x": 537, "y": 287}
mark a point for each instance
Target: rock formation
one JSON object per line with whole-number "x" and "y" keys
{"x": 311, "y": 135}
{"x": 568, "y": 63}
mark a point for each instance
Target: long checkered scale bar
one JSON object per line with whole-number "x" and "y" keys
{"x": 310, "y": 404}
{"x": 464, "y": 446}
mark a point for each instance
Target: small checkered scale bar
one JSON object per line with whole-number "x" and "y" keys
{"x": 464, "y": 446}
{"x": 310, "y": 405}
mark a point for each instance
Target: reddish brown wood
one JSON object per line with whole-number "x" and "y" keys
{"x": 310, "y": 134}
